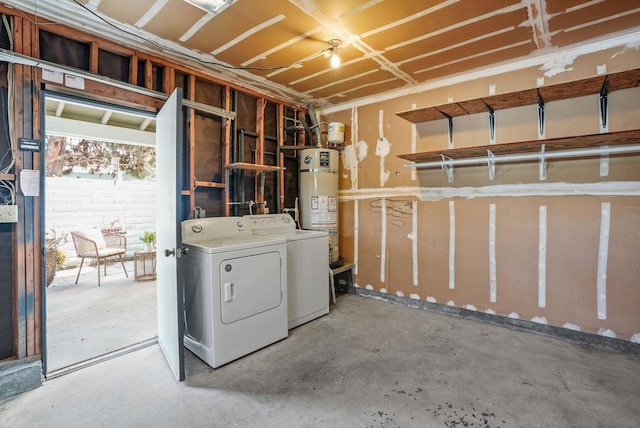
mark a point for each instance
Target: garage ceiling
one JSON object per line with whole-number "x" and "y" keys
{"x": 276, "y": 46}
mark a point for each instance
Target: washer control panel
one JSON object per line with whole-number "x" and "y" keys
{"x": 270, "y": 222}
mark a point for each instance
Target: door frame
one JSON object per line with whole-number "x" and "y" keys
{"x": 87, "y": 100}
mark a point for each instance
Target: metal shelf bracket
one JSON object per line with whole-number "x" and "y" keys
{"x": 543, "y": 164}
{"x": 448, "y": 167}
{"x": 604, "y": 106}
{"x": 492, "y": 165}
{"x": 492, "y": 123}
{"x": 540, "y": 116}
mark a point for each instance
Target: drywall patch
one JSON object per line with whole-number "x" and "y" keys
{"x": 537, "y": 22}
{"x": 470, "y": 307}
{"x": 452, "y": 244}
{"x": 514, "y": 315}
{"x": 558, "y": 64}
{"x": 383, "y": 148}
{"x": 432, "y": 299}
{"x": 356, "y": 230}
{"x": 603, "y": 255}
{"x": 542, "y": 256}
{"x": 413, "y": 236}
{"x": 489, "y": 311}
{"x": 635, "y": 45}
{"x": 451, "y": 303}
{"x": 384, "y": 291}
{"x": 414, "y": 296}
{"x": 383, "y": 239}
{"x": 607, "y": 333}
{"x": 492, "y": 253}
{"x": 399, "y": 294}
{"x": 608, "y": 188}
{"x": 350, "y": 163}
{"x": 571, "y": 326}
{"x": 414, "y": 140}
{"x": 369, "y": 287}
{"x": 539, "y": 320}
{"x": 635, "y": 338}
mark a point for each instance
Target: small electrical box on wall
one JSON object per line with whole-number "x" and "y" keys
{"x": 8, "y": 213}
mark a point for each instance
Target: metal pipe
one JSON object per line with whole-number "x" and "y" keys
{"x": 527, "y": 156}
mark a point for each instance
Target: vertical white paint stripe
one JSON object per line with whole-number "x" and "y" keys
{"x": 542, "y": 257}
{"x": 414, "y": 142}
{"x": 383, "y": 239}
{"x": 603, "y": 254}
{"x": 354, "y": 140}
{"x": 355, "y": 234}
{"x": 604, "y": 163}
{"x": 492, "y": 253}
{"x": 452, "y": 244}
{"x": 414, "y": 243}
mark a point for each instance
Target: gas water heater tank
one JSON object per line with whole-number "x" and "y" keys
{"x": 319, "y": 194}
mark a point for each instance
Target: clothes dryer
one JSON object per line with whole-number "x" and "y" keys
{"x": 235, "y": 289}
{"x": 307, "y": 265}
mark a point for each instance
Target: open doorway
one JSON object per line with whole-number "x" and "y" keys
{"x": 100, "y": 181}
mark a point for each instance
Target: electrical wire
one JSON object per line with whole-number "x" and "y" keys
{"x": 193, "y": 57}
{"x": 7, "y": 125}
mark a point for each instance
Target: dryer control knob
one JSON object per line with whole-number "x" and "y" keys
{"x": 286, "y": 220}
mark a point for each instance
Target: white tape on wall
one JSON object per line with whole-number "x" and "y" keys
{"x": 383, "y": 239}
{"x": 542, "y": 256}
{"x": 492, "y": 253}
{"x": 414, "y": 243}
{"x": 414, "y": 142}
{"x": 452, "y": 245}
{"x": 355, "y": 234}
{"x": 603, "y": 255}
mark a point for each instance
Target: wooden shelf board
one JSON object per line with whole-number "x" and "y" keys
{"x": 421, "y": 115}
{"x": 452, "y": 110}
{"x": 473, "y": 106}
{"x": 564, "y": 143}
{"x": 8, "y": 177}
{"x": 253, "y": 167}
{"x": 624, "y": 80}
{"x": 579, "y": 88}
{"x": 560, "y": 91}
{"x": 209, "y": 184}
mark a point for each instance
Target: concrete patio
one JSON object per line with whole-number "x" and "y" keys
{"x": 85, "y": 321}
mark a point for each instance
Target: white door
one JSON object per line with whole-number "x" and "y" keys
{"x": 168, "y": 238}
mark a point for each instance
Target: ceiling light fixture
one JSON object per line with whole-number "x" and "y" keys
{"x": 211, "y": 6}
{"x": 332, "y": 52}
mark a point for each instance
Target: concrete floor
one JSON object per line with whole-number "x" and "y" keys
{"x": 366, "y": 364}
{"x": 85, "y": 321}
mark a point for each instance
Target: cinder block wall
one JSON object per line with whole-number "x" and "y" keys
{"x": 77, "y": 203}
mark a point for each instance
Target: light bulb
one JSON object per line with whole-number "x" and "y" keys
{"x": 335, "y": 60}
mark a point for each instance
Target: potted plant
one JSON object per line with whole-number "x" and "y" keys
{"x": 53, "y": 254}
{"x": 149, "y": 238}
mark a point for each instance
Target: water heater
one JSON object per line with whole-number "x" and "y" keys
{"x": 319, "y": 194}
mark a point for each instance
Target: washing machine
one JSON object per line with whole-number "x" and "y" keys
{"x": 235, "y": 291}
{"x": 307, "y": 265}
